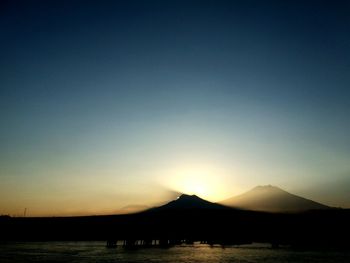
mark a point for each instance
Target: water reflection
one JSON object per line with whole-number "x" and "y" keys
{"x": 97, "y": 252}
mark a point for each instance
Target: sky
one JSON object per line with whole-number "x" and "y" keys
{"x": 107, "y": 104}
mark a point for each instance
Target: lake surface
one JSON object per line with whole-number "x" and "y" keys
{"x": 97, "y": 252}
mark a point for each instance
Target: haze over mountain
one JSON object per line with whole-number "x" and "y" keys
{"x": 132, "y": 209}
{"x": 272, "y": 199}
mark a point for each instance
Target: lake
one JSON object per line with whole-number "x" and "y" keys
{"x": 97, "y": 252}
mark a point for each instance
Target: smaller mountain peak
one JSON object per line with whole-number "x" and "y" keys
{"x": 273, "y": 199}
{"x": 268, "y": 187}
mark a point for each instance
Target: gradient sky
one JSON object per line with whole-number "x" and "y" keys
{"x": 106, "y": 104}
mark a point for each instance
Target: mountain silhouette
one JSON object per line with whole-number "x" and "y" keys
{"x": 272, "y": 199}
{"x": 189, "y": 202}
{"x": 190, "y": 219}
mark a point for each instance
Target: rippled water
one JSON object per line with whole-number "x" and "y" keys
{"x": 97, "y": 252}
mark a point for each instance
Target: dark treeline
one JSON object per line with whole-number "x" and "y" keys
{"x": 316, "y": 229}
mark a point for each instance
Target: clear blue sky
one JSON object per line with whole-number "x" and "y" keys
{"x": 108, "y": 103}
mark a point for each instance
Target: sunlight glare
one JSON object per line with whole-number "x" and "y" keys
{"x": 205, "y": 182}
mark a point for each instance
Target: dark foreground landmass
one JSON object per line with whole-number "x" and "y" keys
{"x": 174, "y": 224}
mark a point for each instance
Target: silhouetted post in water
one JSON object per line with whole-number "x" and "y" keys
{"x": 164, "y": 242}
{"x": 112, "y": 243}
{"x": 147, "y": 242}
{"x": 130, "y": 243}
{"x": 189, "y": 242}
{"x": 274, "y": 245}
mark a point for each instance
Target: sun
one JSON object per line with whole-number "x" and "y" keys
{"x": 194, "y": 184}
{"x": 204, "y": 181}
